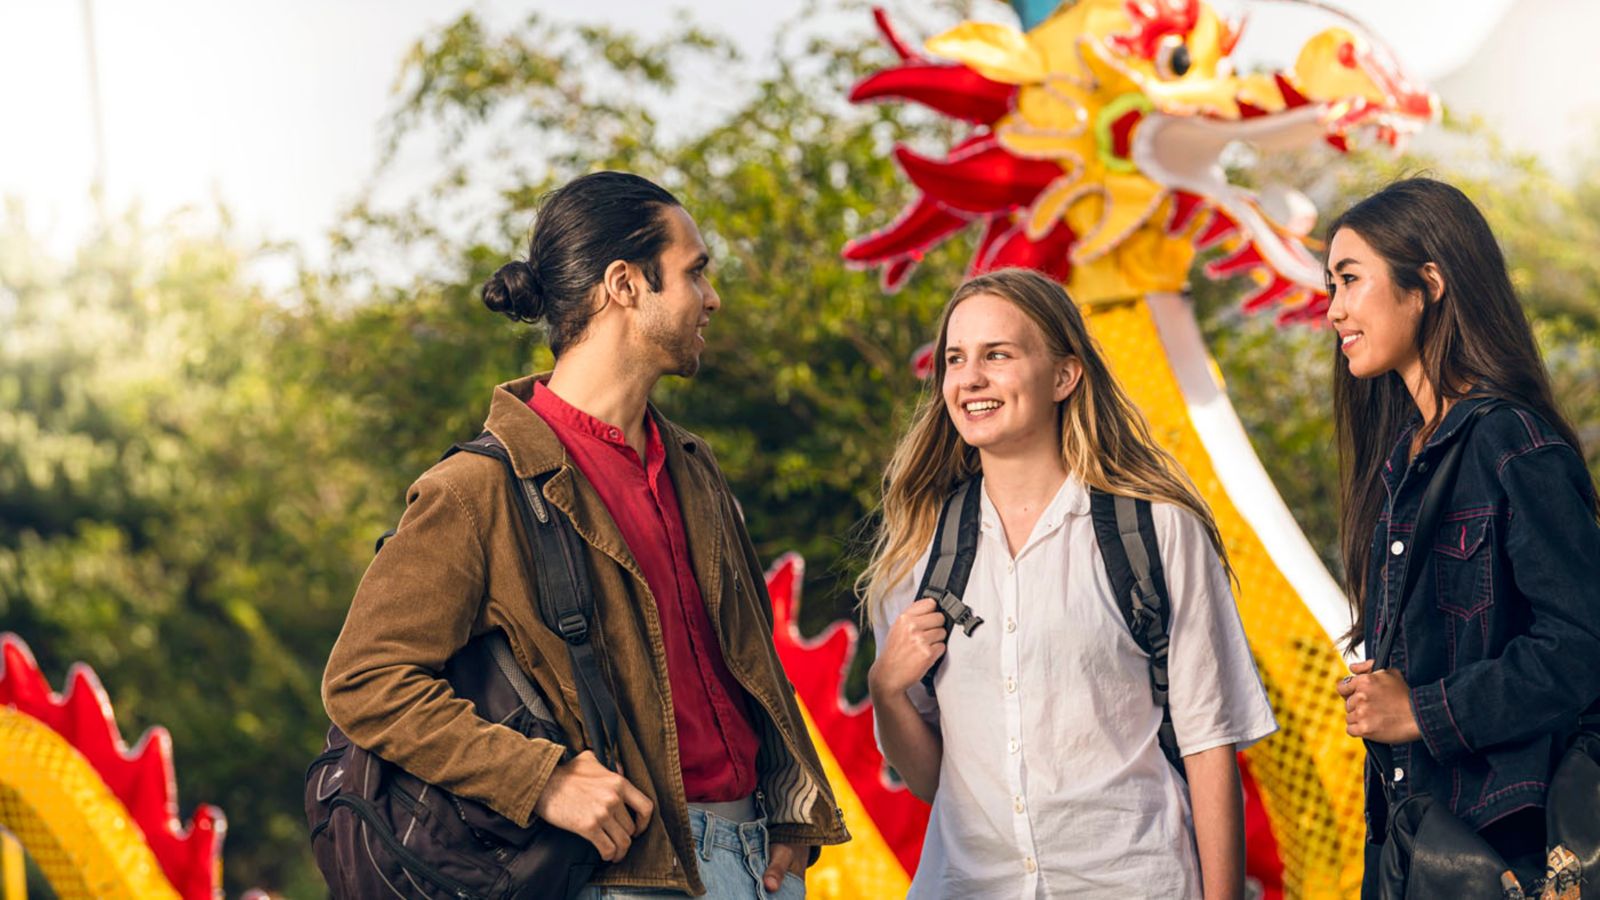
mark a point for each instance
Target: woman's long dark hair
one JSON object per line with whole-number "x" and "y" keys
{"x": 1474, "y": 338}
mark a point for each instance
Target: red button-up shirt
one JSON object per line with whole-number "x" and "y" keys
{"x": 716, "y": 743}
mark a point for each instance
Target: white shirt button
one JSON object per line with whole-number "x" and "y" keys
{"x": 1011, "y": 566}
{"x": 1030, "y": 865}
{"x": 1016, "y": 803}
{"x": 1011, "y": 685}
{"x": 1397, "y": 548}
{"x": 1011, "y": 624}
{"x": 1011, "y": 745}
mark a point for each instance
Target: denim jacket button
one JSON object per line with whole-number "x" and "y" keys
{"x": 1422, "y": 467}
{"x": 1397, "y": 548}
{"x": 1399, "y": 775}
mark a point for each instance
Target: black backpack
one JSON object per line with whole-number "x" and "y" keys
{"x": 1126, "y": 534}
{"x": 379, "y": 831}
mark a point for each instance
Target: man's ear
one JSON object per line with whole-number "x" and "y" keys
{"x": 1434, "y": 279}
{"x": 1068, "y": 373}
{"x": 621, "y": 283}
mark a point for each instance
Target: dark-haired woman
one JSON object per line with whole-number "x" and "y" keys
{"x": 1496, "y": 654}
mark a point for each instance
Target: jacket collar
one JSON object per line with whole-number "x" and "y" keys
{"x": 534, "y": 449}
{"x": 1458, "y": 414}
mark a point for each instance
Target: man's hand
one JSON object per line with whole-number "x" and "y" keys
{"x": 914, "y": 642}
{"x": 784, "y": 858}
{"x": 1378, "y": 705}
{"x": 586, "y": 798}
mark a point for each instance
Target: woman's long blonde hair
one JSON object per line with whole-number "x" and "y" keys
{"x": 1105, "y": 440}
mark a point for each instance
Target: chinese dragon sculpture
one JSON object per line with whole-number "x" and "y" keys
{"x": 1098, "y": 129}
{"x": 100, "y": 820}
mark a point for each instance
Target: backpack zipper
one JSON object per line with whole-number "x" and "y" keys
{"x": 407, "y": 858}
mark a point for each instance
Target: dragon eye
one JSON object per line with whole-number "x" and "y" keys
{"x": 1172, "y": 57}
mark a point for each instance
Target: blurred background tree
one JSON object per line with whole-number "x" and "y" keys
{"x": 192, "y": 470}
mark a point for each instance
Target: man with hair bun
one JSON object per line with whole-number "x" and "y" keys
{"x": 714, "y": 758}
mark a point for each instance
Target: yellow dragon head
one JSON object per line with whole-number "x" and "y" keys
{"x": 1097, "y": 153}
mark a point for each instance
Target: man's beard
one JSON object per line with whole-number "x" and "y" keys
{"x": 682, "y": 356}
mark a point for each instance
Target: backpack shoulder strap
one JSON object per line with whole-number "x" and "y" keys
{"x": 955, "y": 547}
{"x": 1126, "y": 533}
{"x": 565, "y": 599}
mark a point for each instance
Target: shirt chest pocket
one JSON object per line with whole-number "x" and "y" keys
{"x": 1462, "y": 558}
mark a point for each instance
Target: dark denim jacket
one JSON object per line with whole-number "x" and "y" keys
{"x": 1500, "y": 640}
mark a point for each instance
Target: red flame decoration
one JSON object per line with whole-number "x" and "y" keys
{"x": 142, "y": 778}
{"x": 817, "y": 666}
{"x": 1153, "y": 20}
{"x": 980, "y": 182}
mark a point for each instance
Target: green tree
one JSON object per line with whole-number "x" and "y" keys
{"x": 192, "y": 471}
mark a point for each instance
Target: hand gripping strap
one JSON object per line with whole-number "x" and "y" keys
{"x": 1126, "y": 533}
{"x": 565, "y": 601}
{"x": 955, "y": 548}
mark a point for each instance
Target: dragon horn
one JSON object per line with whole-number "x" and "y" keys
{"x": 1032, "y": 12}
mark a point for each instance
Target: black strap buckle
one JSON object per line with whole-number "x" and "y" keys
{"x": 573, "y": 627}
{"x": 959, "y": 613}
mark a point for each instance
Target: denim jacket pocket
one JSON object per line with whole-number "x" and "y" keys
{"x": 1463, "y": 581}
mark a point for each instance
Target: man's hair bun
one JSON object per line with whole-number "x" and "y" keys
{"x": 514, "y": 291}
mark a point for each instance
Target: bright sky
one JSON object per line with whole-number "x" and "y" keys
{"x": 274, "y": 108}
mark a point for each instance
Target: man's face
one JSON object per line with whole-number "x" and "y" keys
{"x": 671, "y": 319}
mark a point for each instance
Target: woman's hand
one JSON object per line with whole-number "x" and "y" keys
{"x": 915, "y": 642}
{"x": 1378, "y": 705}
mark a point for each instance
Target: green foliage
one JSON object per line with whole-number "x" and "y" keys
{"x": 171, "y": 511}
{"x": 192, "y": 472}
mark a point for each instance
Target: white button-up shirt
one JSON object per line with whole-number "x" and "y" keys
{"x": 1052, "y": 782}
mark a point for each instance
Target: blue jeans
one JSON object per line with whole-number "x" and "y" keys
{"x": 732, "y": 859}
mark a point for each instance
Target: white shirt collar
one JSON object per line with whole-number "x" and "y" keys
{"x": 1071, "y": 499}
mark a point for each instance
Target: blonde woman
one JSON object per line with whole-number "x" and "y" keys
{"x": 1038, "y": 747}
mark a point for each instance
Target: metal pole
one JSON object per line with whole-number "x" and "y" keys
{"x": 97, "y": 186}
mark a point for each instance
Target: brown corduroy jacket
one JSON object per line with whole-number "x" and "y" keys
{"x": 455, "y": 569}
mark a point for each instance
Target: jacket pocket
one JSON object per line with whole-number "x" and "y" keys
{"x": 1463, "y": 581}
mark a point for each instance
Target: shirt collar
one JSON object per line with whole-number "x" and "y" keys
{"x": 550, "y": 405}
{"x": 1071, "y": 499}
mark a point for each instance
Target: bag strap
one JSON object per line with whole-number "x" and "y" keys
{"x": 565, "y": 601}
{"x": 1438, "y": 492}
{"x": 506, "y": 661}
{"x": 1125, "y": 531}
{"x": 955, "y": 548}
